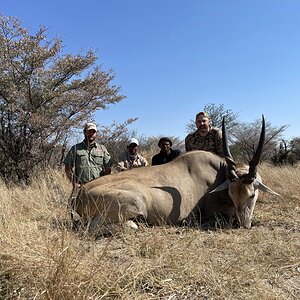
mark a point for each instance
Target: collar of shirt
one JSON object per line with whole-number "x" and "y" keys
{"x": 91, "y": 145}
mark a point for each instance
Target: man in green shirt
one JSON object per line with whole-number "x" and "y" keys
{"x": 87, "y": 160}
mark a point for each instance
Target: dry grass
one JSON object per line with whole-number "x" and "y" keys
{"x": 42, "y": 258}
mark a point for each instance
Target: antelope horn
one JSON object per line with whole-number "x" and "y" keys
{"x": 228, "y": 157}
{"x": 256, "y": 157}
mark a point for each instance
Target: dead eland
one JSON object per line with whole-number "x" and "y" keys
{"x": 197, "y": 181}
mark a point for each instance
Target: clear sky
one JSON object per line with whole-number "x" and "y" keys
{"x": 172, "y": 57}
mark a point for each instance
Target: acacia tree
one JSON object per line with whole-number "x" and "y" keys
{"x": 295, "y": 147}
{"x": 245, "y": 136}
{"x": 43, "y": 94}
{"x": 287, "y": 152}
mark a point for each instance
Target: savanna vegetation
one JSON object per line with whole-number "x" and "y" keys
{"x": 43, "y": 258}
{"x": 45, "y": 95}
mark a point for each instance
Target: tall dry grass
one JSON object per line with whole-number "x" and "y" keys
{"x": 41, "y": 257}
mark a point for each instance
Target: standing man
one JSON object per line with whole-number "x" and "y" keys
{"x": 131, "y": 158}
{"x": 166, "y": 153}
{"x": 206, "y": 137}
{"x": 87, "y": 160}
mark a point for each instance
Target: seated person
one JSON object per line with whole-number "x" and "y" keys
{"x": 130, "y": 158}
{"x": 166, "y": 153}
{"x": 206, "y": 137}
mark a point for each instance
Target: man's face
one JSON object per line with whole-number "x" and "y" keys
{"x": 202, "y": 124}
{"x": 91, "y": 135}
{"x": 165, "y": 147}
{"x": 132, "y": 148}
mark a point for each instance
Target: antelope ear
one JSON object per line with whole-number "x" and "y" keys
{"x": 259, "y": 185}
{"x": 223, "y": 186}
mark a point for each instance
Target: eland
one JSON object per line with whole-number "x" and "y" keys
{"x": 196, "y": 181}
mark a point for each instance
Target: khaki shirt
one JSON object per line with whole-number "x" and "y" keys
{"x": 125, "y": 163}
{"x": 211, "y": 142}
{"x": 88, "y": 161}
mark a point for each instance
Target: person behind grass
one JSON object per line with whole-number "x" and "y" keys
{"x": 166, "y": 153}
{"x": 87, "y": 160}
{"x": 206, "y": 137}
{"x": 131, "y": 158}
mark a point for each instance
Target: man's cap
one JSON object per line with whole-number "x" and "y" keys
{"x": 133, "y": 141}
{"x": 164, "y": 139}
{"x": 202, "y": 113}
{"x": 89, "y": 126}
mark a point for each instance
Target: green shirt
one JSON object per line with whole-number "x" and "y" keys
{"x": 88, "y": 161}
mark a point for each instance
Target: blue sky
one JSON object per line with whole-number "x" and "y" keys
{"x": 172, "y": 57}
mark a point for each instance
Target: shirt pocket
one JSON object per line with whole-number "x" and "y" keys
{"x": 81, "y": 158}
{"x": 98, "y": 158}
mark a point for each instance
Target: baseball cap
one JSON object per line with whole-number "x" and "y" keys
{"x": 89, "y": 126}
{"x": 133, "y": 141}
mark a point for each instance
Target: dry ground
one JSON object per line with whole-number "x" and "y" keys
{"x": 42, "y": 258}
